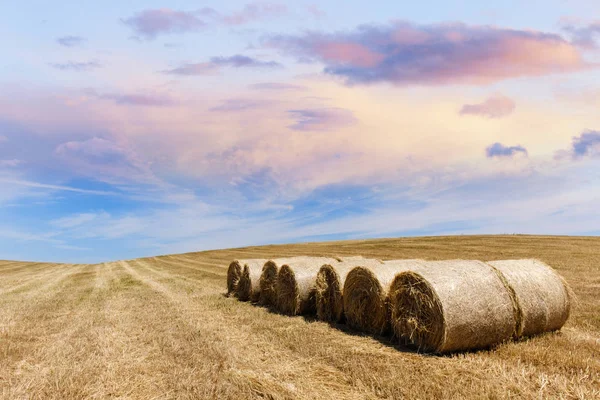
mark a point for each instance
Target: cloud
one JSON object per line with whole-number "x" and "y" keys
{"x": 106, "y": 161}
{"x": 315, "y": 11}
{"x": 70, "y": 41}
{"x": 37, "y": 185}
{"x": 253, "y": 12}
{"x": 75, "y": 220}
{"x": 275, "y": 86}
{"x": 494, "y": 107}
{"x": 216, "y": 63}
{"x": 321, "y": 119}
{"x": 583, "y": 35}
{"x": 76, "y": 66}
{"x": 586, "y": 144}
{"x": 153, "y": 22}
{"x": 500, "y": 150}
{"x": 10, "y": 163}
{"x": 152, "y": 100}
{"x": 403, "y": 53}
{"x": 238, "y": 105}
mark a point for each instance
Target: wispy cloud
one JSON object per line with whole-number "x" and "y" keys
{"x": 276, "y": 86}
{"x": 71, "y": 41}
{"x": 253, "y": 12}
{"x": 404, "y": 53}
{"x": 322, "y": 119}
{"x": 139, "y": 99}
{"x": 151, "y": 23}
{"x": 238, "y": 105}
{"x": 106, "y": 160}
{"x": 75, "y": 220}
{"x": 494, "y": 107}
{"x": 76, "y": 66}
{"x": 500, "y": 150}
{"x": 217, "y": 63}
{"x": 10, "y": 163}
{"x": 38, "y": 185}
{"x": 315, "y": 11}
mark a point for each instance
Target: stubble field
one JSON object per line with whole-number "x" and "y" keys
{"x": 161, "y": 328}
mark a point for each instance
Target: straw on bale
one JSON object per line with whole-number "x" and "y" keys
{"x": 365, "y": 295}
{"x": 446, "y": 306}
{"x": 330, "y": 283}
{"x": 542, "y": 297}
{"x": 268, "y": 279}
{"x": 248, "y": 288}
{"x": 233, "y": 276}
{"x": 295, "y": 286}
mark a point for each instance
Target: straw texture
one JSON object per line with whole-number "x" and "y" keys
{"x": 446, "y": 306}
{"x": 295, "y": 285}
{"x": 365, "y": 295}
{"x": 248, "y": 285}
{"x": 330, "y": 283}
{"x": 234, "y": 272}
{"x": 542, "y": 297}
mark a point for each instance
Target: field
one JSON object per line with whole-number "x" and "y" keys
{"x": 161, "y": 328}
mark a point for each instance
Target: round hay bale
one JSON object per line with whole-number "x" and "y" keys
{"x": 248, "y": 285}
{"x": 542, "y": 297}
{"x": 295, "y": 285}
{"x": 365, "y": 295}
{"x": 268, "y": 279}
{"x": 234, "y": 272}
{"x": 330, "y": 283}
{"x": 446, "y": 306}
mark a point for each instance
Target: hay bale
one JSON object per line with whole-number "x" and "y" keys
{"x": 542, "y": 297}
{"x": 248, "y": 285}
{"x": 330, "y": 283}
{"x": 268, "y": 279}
{"x": 446, "y": 306}
{"x": 295, "y": 285}
{"x": 365, "y": 295}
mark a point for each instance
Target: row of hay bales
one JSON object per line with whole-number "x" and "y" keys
{"x": 435, "y": 306}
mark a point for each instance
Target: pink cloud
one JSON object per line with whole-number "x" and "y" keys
{"x": 497, "y": 106}
{"x": 349, "y": 53}
{"x": 216, "y": 63}
{"x": 254, "y": 11}
{"x": 322, "y": 119}
{"x": 135, "y": 99}
{"x": 153, "y": 22}
{"x": 403, "y": 53}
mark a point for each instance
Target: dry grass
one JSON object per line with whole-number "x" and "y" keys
{"x": 161, "y": 328}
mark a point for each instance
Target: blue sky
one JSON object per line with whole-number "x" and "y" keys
{"x": 139, "y": 128}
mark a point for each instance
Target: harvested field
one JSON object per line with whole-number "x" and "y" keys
{"x": 161, "y": 327}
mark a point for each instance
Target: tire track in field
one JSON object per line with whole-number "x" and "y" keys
{"x": 17, "y": 284}
{"x": 61, "y": 362}
{"x": 201, "y": 272}
{"x": 16, "y": 307}
{"x": 261, "y": 376}
{"x": 200, "y": 265}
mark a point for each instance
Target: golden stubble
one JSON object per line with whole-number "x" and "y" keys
{"x": 161, "y": 327}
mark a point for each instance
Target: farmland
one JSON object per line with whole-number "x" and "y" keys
{"x": 161, "y": 327}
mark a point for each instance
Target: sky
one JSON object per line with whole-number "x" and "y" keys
{"x": 140, "y": 128}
